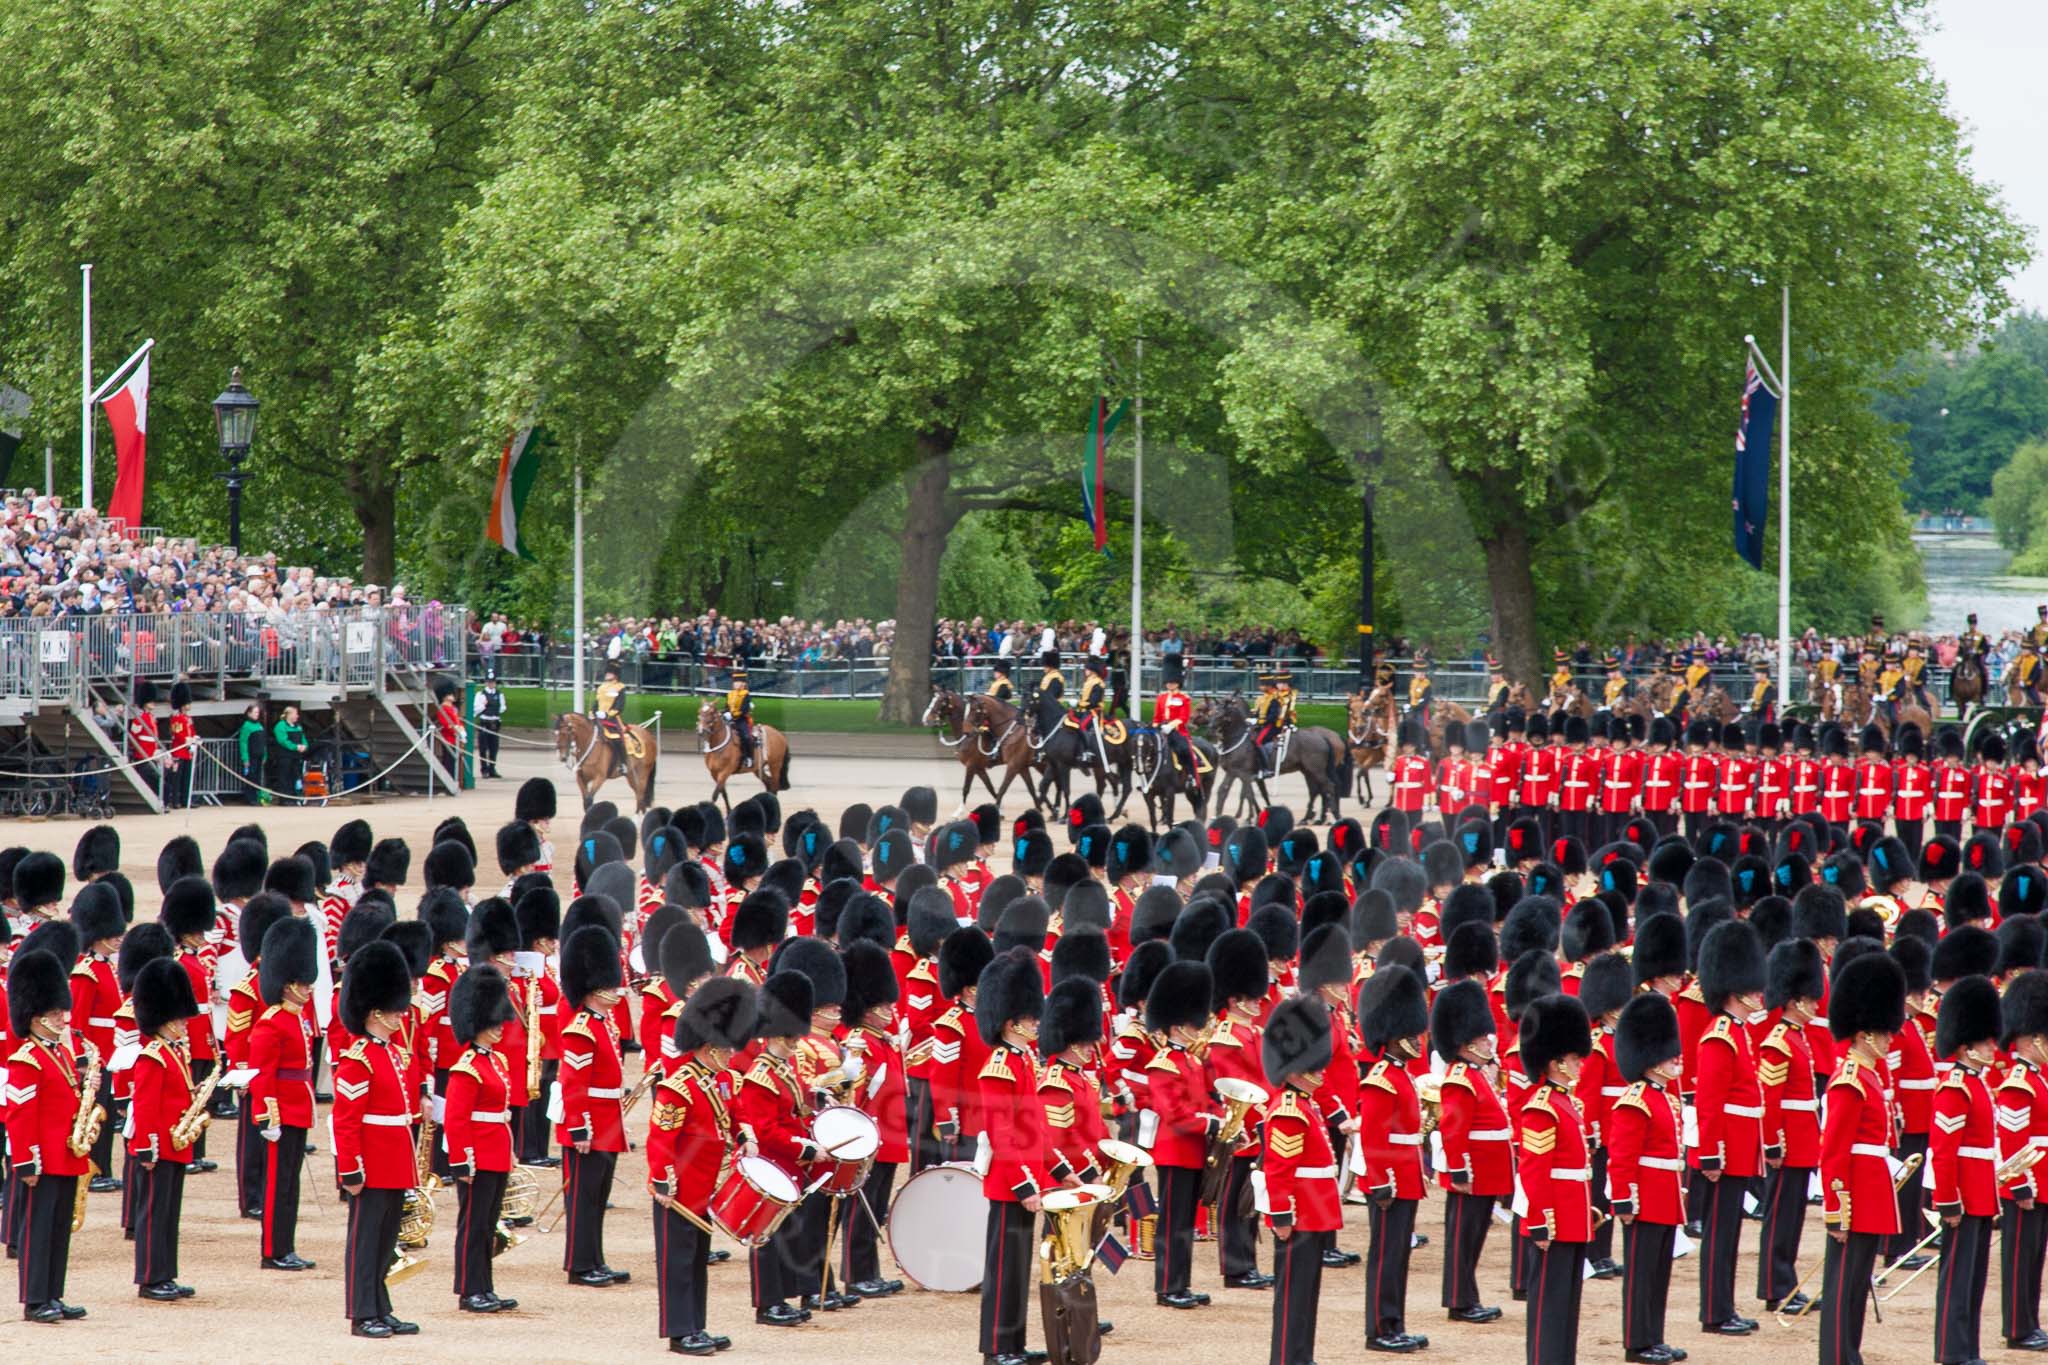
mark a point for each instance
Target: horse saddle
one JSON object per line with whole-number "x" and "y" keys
{"x": 1113, "y": 731}
{"x": 631, "y": 741}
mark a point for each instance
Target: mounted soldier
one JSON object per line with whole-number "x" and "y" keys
{"x": 1763, "y": 697}
{"x": 1091, "y": 707}
{"x": 1002, "y": 689}
{"x": 1617, "y": 689}
{"x": 1561, "y": 672}
{"x": 1273, "y": 713}
{"x": 1171, "y": 714}
{"x": 1421, "y": 692}
{"x": 1497, "y": 687}
{"x": 2024, "y": 676}
{"x": 1891, "y": 681}
{"x": 1913, "y": 671}
{"x": 739, "y": 714}
{"x": 1827, "y": 677}
{"x": 1048, "y": 706}
{"x": 605, "y": 709}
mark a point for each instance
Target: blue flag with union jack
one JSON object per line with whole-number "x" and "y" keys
{"x": 1753, "y": 465}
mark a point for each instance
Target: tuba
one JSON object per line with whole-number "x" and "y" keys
{"x": 1239, "y": 1099}
{"x": 1122, "y": 1164}
{"x": 1066, "y": 1292}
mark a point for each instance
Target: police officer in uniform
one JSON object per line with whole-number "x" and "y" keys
{"x": 739, "y": 714}
{"x": 489, "y": 712}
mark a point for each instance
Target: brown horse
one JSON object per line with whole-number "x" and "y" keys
{"x": 1568, "y": 700}
{"x": 976, "y": 718}
{"x": 1368, "y": 741}
{"x": 722, "y": 752}
{"x": 1382, "y": 706}
{"x": 596, "y": 759}
{"x": 1966, "y": 684}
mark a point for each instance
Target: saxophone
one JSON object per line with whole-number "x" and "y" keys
{"x": 193, "y": 1121}
{"x": 85, "y": 1125}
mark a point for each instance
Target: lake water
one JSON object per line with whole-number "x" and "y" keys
{"x": 1966, "y": 573}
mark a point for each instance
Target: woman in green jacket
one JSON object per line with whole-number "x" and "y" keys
{"x": 288, "y": 752}
{"x": 252, "y": 750}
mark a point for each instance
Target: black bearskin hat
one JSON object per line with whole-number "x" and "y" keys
{"x": 291, "y": 956}
{"x": 1470, "y": 951}
{"x": 96, "y": 913}
{"x": 162, "y": 993}
{"x": 494, "y": 930}
{"x": 518, "y": 846}
{"x": 1794, "y": 971}
{"x": 816, "y": 960}
{"x": 540, "y": 916}
{"x": 1588, "y": 931}
{"x": 378, "y": 980}
{"x": 761, "y": 921}
{"x": 1731, "y": 963}
{"x": 189, "y": 907}
{"x": 1403, "y": 879}
{"x": 1970, "y": 1014}
{"x": 97, "y": 852}
{"x": 1130, "y": 853}
{"x": 870, "y": 980}
{"x": 1533, "y": 923}
{"x": 179, "y": 858}
{"x": 1086, "y": 906}
{"x": 1141, "y": 969}
{"x": 1392, "y": 1004}
{"x": 389, "y": 864}
{"x": 1869, "y": 996}
{"x": 1818, "y": 912}
{"x": 590, "y": 963}
{"x": 719, "y": 1013}
{"x": 1469, "y": 903}
{"x": 1297, "y": 1040}
{"x": 292, "y": 878}
{"x": 237, "y": 872}
{"x": 685, "y": 958}
{"x": 1608, "y": 983}
{"x": 144, "y": 944}
{"x": 1237, "y": 968}
{"x": 1179, "y": 997}
{"x": 785, "y": 1006}
{"x": 1197, "y": 926}
{"x": 1085, "y": 953}
{"x": 1966, "y": 950}
{"x": 1460, "y": 1016}
{"x": 1024, "y": 923}
{"x": 350, "y": 843}
{"x": 1532, "y": 974}
{"x": 1073, "y": 1014}
{"x": 366, "y": 922}
{"x": 961, "y": 959}
{"x": 479, "y": 999}
{"x": 1011, "y": 988}
{"x": 2021, "y": 943}
{"x": 1553, "y": 1026}
{"x": 37, "y": 983}
{"x": 1278, "y": 931}
{"x": 445, "y": 916}
{"x": 1646, "y": 1035}
{"x": 1325, "y": 960}
{"x": 929, "y": 920}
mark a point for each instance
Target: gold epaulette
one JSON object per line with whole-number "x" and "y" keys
{"x": 579, "y": 1026}
{"x": 25, "y": 1053}
{"x": 1162, "y": 1060}
{"x": 674, "y": 1009}
{"x": 762, "y": 1073}
{"x": 465, "y": 1065}
{"x": 1226, "y": 1036}
{"x": 1635, "y": 1097}
{"x": 922, "y": 971}
{"x": 358, "y": 1051}
{"x": 157, "y": 1048}
{"x": 268, "y": 1011}
{"x": 1850, "y": 1073}
{"x": 1692, "y": 993}
{"x": 1954, "y": 1080}
{"x": 997, "y": 1068}
{"x": 902, "y": 943}
{"x": 1777, "y": 1038}
{"x": 1378, "y": 1076}
{"x": 83, "y": 967}
{"x": 1055, "y": 1078}
{"x": 1288, "y": 1105}
{"x": 1722, "y": 1028}
{"x": 1539, "y": 1099}
{"x": 951, "y": 1018}
{"x": 1458, "y": 1075}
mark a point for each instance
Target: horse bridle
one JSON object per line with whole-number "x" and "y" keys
{"x": 712, "y": 710}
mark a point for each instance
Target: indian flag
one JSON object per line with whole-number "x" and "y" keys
{"x": 517, "y": 469}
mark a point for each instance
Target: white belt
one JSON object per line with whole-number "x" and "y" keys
{"x": 2037, "y": 1140}
{"x": 1491, "y": 1135}
{"x": 1405, "y": 1139}
{"x": 1800, "y": 1106}
{"x": 1576, "y": 1177}
{"x": 1743, "y": 1111}
{"x": 610, "y": 1092}
{"x": 1920, "y": 1083}
{"x": 1661, "y": 1163}
{"x": 1870, "y": 1149}
{"x": 100, "y": 1023}
{"x": 1978, "y": 1153}
{"x": 1611, "y": 1091}
{"x": 1316, "y": 1173}
{"x": 547, "y": 1009}
{"x": 502, "y": 1116}
{"x": 388, "y": 1120}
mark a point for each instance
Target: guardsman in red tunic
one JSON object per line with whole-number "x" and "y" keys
{"x": 759, "y": 921}
{"x": 42, "y": 1104}
{"x": 1729, "y": 1101}
{"x": 478, "y": 1129}
{"x": 689, "y": 1132}
{"x": 188, "y": 913}
{"x": 1478, "y": 1142}
{"x": 2022, "y": 1123}
{"x": 1393, "y": 1023}
{"x": 773, "y": 1110}
{"x": 1837, "y": 779}
{"x": 1964, "y": 1158}
{"x": 1603, "y": 987}
{"x": 957, "y": 1050}
{"x": 920, "y": 1002}
{"x": 1912, "y": 789}
{"x": 1411, "y": 775}
{"x": 876, "y": 1064}
{"x": 656, "y": 1031}
{"x": 1699, "y": 777}
{"x": 1238, "y": 971}
{"x": 282, "y": 1092}
{"x": 1910, "y": 1067}
{"x": 1301, "y": 1202}
{"x": 446, "y": 916}
{"x": 1991, "y": 787}
{"x": 1738, "y": 775}
{"x": 1874, "y": 777}
{"x": 164, "y": 1007}
{"x": 1643, "y": 1168}
{"x": 1858, "y": 1206}
{"x": 372, "y": 1131}
{"x": 1556, "y": 1175}
{"x": 95, "y": 997}
{"x": 1773, "y": 778}
{"x": 539, "y": 912}
{"x": 1184, "y": 1116}
{"x": 1579, "y": 771}
{"x": 1795, "y": 981}
{"x": 1007, "y": 1009}
{"x": 245, "y": 1005}
{"x": 591, "y": 1128}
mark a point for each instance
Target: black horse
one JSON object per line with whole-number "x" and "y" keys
{"x": 1318, "y": 754}
{"x": 1160, "y": 780}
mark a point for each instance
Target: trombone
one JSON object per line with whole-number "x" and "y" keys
{"x": 1898, "y": 1183}
{"x": 2014, "y": 1166}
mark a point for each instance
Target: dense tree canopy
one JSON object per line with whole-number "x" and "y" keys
{"x": 820, "y": 296}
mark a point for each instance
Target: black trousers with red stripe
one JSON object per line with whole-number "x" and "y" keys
{"x": 477, "y": 1202}
{"x": 1173, "y": 1249}
{"x": 373, "y": 1219}
{"x": 534, "y": 1128}
{"x": 1959, "y": 1290}
{"x": 1297, "y": 1292}
{"x": 1466, "y": 1220}
{"x": 159, "y": 1201}
{"x": 768, "y": 1272}
{"x": 1554, "y": 1289}
{"x": 1237, "y": 1239}
{"x": 1386, "y": 1267}
{"x": 859, "y": 1256}
{"x": 1721, "y": 1222}
{"x": 2019, "y": 1263}
{"x": 682, "y": 1280}
{"x": 589, "y": 1177}
{"x": 46, "y": 1236}
{"x": 250, "y": 1158}
{"x": 1845, "y": 1297}
{"x": 286, "y": 1157}
{"x": 1777, "y": 1259}
{"x": 1006, "y": 1276}
{"x": 1912, "y": 1197}
{"x": 1601, "y": 1248}
{"x": 1645, "y": 1282}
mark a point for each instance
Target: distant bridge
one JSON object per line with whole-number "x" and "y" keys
{"x": 1953, "y": 526}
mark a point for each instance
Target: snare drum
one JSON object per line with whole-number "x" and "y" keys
{"x": 847, "y": 1142}
{"x": 754, "y": 1198}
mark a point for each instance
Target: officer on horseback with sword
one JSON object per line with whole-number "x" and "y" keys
{"x": 1048, "y": 697}
{"x": 739, "y": 714}
{"x": 1089, "y": 707}
{"x": 1274, "y": 714}
{"x": 1497, "y": 688}
{"x": 1913, "y": 675}
{"x": 605, "y": 710}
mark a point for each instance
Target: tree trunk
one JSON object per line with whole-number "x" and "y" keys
{"x": 927, "y": 521}
{"x": 1512, "y": 586}
{"x": 376, "y": 508}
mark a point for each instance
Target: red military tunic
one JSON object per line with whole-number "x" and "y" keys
{"x": 1473, "y": 1125}
{"x": 688, "y": 1132}
{"x": 657, "y": 1026}
{"x": 438, "y": 1037}
{"x": 1390, "y": 1132}
{"x": 95, "y": 996}
{"x": 1018, "y": 1167}
{"x": 198, "y": 965}
{"x": 1556, "y": 1176}
{"x": 372, "y": 1118}
{"x": 1075, "y": 1129}
{"x": 1791, "y": 1124}
{"x": 1912, "y": 791}
{"x": 1453, "y": 784}
{"x": 478, "y": 1113}
{"x": 920, "y": 1006}
{"x": 1693, "y": 1018}
{"x": 1540, "y": 771}
{"x": 1805, "y": 785}
{"x": 1963, "y": 1149}
{"x": 162, "y": 1092}
{"x": 958, "y": 1055}
{"x": 882, "y": 1093}
{"x": 1729, "y": 1101}
{"x": 1738, "y": 785}
{"x": 1911, "y": 1067}
{"x": 1699, "y": 781}
{"x": 1504, "y": 765}
{"x": 1411, "y": 784}
{"x": 1855, "y": 1153}
{"x": 281, "y": 1092}
{"x": 1580, "y": 770}
{"x": 1873, "y": 789}
{"x": 1179, "y": 1095}
{"x": 1643, "y": 1159}
{"x": 1991, "y": 798}
{"x": 1662, "y": 774}
{"x": 2022, "y": 1122}
{"x": 2029, "y": 792}
{"x": 1951, "y": 791}
{"x": 1599, "y": 1083}
{"x": 773, "y": 1110}
{"x": 245, "y": 1002}
{"x": 1300, "y": 1168}
{"x": 1837, "y": 790}
{"x": 591, "y": 1082}
{"x": 1773, "y": 788}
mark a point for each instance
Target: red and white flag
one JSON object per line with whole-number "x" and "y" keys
{"x": 128, "y": 414}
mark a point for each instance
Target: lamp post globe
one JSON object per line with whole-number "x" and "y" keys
{"x": 234, "y": 420}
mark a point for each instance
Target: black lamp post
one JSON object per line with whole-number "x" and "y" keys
{"x": 234, "y": 418}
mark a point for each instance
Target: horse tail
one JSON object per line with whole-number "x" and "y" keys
{"x": 1340, "y": 766}
{"x": 782, "y": 784}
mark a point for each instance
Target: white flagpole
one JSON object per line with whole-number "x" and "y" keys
{"x": 578, "y": 591}
{"x": 1785, "y": 501}
{"x": 1138, "y": 547}
{"x": 85, "y": 393}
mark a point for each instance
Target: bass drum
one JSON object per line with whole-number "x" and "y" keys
{"x": 937, "y": 1228}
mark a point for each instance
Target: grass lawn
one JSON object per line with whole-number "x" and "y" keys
{"x": 534, "y": 708}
